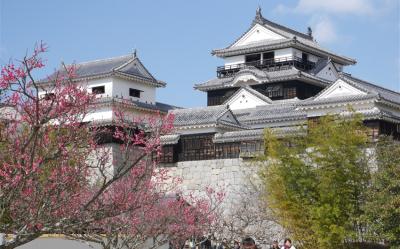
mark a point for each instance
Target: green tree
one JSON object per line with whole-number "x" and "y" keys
{"x": 316, "y": 183}
{"x": 382, "y": 209}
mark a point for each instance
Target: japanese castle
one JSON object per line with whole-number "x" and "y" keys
{"x": 273, "y": 77}
{"x": 278, "y": 78}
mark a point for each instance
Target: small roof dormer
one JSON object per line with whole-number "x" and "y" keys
{"x": 126, "y": 66}
{"x": 265, "y": 35}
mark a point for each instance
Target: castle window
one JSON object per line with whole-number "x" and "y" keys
{"x": 49, "y": 96}
{"x": 167, "y": 155}
{"x": 274, "y": 91}
{"x": 252, "y": 58}
{"x": 269, "y": 56}
{"x": 134, "y": 92}
{"x": 304, "y": 57}
{"x": 289, "y": 93}
{"x": 98, "y": 90}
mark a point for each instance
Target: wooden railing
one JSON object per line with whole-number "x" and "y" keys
{"x": 266, "y": 64}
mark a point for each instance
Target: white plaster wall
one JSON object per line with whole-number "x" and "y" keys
{"x": 256, "y": 34}
{"x": 234, "y": 60}
{"x": 106, "y": 82}
{"x": 286, "y": 52}
{"x": 328, "y": 73}
{"x": 243, "y": 100}
{"x": 99, "y": 113}
{"x": 340, "y": 89}
{"x": 121, "y": 88}
{"x": 311, "y": 57}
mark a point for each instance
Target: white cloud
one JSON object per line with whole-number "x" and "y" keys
{"x": 324, "y": 30}
{"x": 359, "y": 7}
{"x": 349, "y": 7}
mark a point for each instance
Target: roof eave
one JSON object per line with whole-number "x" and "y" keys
{"x": 291, "y": 43}
{"x": 301, "y": 75}
{"x": 152, "y": 82}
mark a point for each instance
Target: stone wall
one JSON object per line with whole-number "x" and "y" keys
{"x": 231, "y": 175}
{"x": 243, "y": 213}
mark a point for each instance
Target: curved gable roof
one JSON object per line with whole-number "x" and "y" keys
{"x": 127, "y": 65}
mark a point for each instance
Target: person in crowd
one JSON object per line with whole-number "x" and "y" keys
{"x": 223, "y": 245}
{"x": 287, "y": 244}
{"x": 236, "y": 245}
{"x": 248, "y": 243}
{"x": 206, "y": 243}
{"x": 275, "y": 245}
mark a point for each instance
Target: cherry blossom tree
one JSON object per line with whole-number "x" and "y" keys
{"x": 54, "y": 175}
{"x": 162, "y": 218}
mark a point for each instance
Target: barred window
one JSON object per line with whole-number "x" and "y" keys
{"x": 167, "y": 154}
{"x": 290, "y": 93}
{"x": 98, "y": 90}
{"x": 274, "y": 91}
{"x": 201, "y": 147}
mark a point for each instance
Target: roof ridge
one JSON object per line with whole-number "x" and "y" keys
{"x": 202, "y": 108}
{"x": 124, "y": 64}
{"x": 144, "y": 68}
{"x": 102, "y": 60}
{"x": 368, "y": 83}
{"x": 290, "y": 30}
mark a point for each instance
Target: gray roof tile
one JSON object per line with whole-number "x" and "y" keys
{"x": 342, "y": 99}
{"x": 154, "y": 107}
{"x": 292, "y": 39}
{"x": 126, "y": 65}
{"x": 383, "y": 93}
{"x": 255, "y": 134}
{"x": 198, "y": 116}
{"x": 263, "y": 76}
{"x": 271, "y": 113}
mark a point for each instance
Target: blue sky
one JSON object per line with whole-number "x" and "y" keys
{"x": 174, "y": 38}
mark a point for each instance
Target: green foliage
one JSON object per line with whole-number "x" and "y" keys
{"x": 316, "y": 183}
{"x": 382, "y": 210}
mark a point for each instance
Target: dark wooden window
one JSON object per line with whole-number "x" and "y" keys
{"x": 134, "y": 92}
{"x": 269, "y": 56}
{"x": 201, "y": 147}
{"x": 289, "y": 93}
{"x": 251, "y": 147}
{"x": 304, "y": 57}
{"x": 197, "y": 147}
{"x": 390, "y": 129}
{"x": 218, "y": 97}
{"x": 49, "y": 96}
{"x": 252, "y": 58}
{"x": 98, "y": 90}
{"x": 167, "y": 154}
{"x": 274, "y": 91}
{"x": 227, "y": 150}
{"x": 214, "y": 100}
